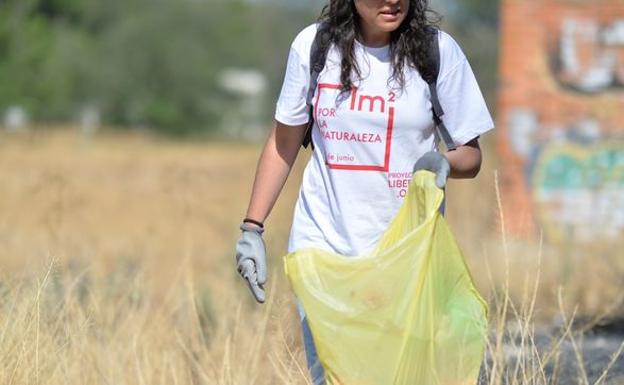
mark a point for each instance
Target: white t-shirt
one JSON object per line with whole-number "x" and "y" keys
{"x": 367, "y": 141}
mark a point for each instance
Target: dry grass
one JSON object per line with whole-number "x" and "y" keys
{"x": 117, "y": 268}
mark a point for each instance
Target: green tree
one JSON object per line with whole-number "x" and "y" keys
{"x": 155, "y": 63}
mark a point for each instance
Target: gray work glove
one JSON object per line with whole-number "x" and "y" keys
{"x": 437, "y": 163}
{"x": 251, "y": 259}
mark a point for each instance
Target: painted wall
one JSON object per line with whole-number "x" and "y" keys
{"x": 561, "y": 118}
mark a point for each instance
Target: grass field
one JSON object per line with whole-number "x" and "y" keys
{"x": 117, "y": 267}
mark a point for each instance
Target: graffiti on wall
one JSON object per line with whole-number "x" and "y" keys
{"x": 576, "y": 176}
{"x": 588, "y": 57}
{"x": 579, "y": 192}
{"x": 561, "y": 111}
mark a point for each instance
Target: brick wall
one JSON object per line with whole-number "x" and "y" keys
{"x": 561, "y": 118}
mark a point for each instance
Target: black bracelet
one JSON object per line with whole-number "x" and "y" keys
{"x": 249, "y": 220}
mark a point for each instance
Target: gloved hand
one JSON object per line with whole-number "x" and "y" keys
{"x": 251, "y": 259}
{"x": 435, "y": 162}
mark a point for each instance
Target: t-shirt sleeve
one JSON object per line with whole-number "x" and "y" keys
{"x": 466, "y": 115}
{"x": 291, "y": 108}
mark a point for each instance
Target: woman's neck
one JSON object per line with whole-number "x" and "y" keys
{"x": 372, "y": 38}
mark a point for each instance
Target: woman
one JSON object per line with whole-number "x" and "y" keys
{"x": 373, "y": 127}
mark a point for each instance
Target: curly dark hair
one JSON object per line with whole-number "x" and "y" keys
{"x": 409, "y": 44}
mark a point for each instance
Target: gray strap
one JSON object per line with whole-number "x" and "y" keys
{"x": 438, "y": 112}
{"x": 318, "y": 56}
{"x": 436, "y": 107}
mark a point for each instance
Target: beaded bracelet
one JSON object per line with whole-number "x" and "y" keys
{"x": 249, "y": 220}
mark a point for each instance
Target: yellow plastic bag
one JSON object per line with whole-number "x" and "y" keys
{"x": 407, "y": 314}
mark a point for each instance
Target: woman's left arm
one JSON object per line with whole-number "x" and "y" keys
{"x": 465, "y": 160}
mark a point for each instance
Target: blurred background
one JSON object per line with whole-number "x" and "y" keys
{"x": 175, "y": 67}
{"x": 129, "y": 136}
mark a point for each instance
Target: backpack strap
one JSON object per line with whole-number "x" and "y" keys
{"x": 430, "y": 75}
{"x": 318, "y": 56}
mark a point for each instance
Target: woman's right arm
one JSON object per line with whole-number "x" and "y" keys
{"x": 276, "y": 160}
{"x": 274, "y": 165}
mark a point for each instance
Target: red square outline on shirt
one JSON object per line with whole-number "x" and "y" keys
{"x": 386, "y": 166}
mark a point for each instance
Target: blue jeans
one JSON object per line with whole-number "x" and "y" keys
{"x": 314, "y": 366}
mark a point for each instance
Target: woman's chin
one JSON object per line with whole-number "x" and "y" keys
{"x": 388, "y": 24}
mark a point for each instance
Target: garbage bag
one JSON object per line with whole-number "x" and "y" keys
{"x": 406, "y": 314}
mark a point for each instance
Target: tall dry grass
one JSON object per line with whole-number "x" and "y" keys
{"x": 117, "y": 268}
